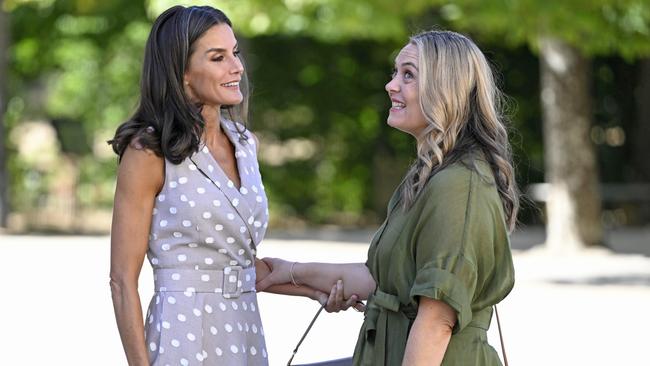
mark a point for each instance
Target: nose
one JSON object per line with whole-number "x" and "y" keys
{"x": 238, "y": 66}
{"x": 392, "y": 86}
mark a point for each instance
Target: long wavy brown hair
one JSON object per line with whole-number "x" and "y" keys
{"x": 165, "y": 120}
{"x": 464, "y": 112}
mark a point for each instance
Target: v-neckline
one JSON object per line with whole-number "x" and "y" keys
{"x": 224, "y": 129}
{"x": 241, "y": 200}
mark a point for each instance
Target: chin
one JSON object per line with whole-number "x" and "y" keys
{"x": 395, "y": 123}
{"x": 232, "y": 101}
{"x": 400, "y": 125}
{"x": 238, "y": 100}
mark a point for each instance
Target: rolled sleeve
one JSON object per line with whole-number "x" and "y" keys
{"x": 454, "y": 289}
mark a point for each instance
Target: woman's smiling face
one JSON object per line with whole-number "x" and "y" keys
{"x": 405, "y": 112}
{"x": 214, "y": 69}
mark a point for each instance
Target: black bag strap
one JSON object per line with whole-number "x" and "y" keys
{"x": 305, "y": 334}
{"x": 503, "y": 347}
{"x": 311, "y": 324}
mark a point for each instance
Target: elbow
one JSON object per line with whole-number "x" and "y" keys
{"x": 445, "y": 322}
{"x": 446, "y": 328}
{"x": 439, "y": 316}
{"x": 120, "y": 286}
{"x": 369, "y": 287}
{"x": 116, "y": 289}
{"x": 440, "y": 329}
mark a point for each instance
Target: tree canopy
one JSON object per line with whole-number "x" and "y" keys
{"x": 75, "y": 64}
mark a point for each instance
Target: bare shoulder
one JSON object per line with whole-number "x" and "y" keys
{"x": 141, "y": 169}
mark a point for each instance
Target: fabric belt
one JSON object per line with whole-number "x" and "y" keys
{"x": 385, "y": 313}
{"x": 481, "y": 319}
{"x": 231, "y": 282}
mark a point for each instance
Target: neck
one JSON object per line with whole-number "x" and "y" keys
{"x": 212, "y": 117}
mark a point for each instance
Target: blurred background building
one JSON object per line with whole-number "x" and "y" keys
{"x": 577, "y": 74}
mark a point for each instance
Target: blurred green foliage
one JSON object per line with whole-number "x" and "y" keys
{"x": 333, "y": 95}
{"x": 76, "y": 64}
{"x": 597, "y": 27}
{"x": 318, "y": 69}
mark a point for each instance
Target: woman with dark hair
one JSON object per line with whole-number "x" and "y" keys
{"x": 441, "y": 259}
{"x": 189, "y": 195}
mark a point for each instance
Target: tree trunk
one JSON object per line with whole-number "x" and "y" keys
{"x": 4, "y": 181}
{"x": 642, "y": 147}
{"x": 573, "y": 206}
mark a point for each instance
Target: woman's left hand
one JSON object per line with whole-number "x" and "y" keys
{"x": 279, "y": 273}
{"x": 336, "y": 302}
{"x": 261, "y": 270}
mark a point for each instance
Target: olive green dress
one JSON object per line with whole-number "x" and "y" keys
{"x": 453, "y": 246}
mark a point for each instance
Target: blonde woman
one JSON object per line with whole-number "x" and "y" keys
{"x": 441, "y": 259}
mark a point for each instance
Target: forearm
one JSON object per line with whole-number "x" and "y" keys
{"x": 128, "y": 314}
{"x": 290, "y": 289}
{"x": 356, "y": 278}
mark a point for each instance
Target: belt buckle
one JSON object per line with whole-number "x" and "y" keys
{"x": 232, "y": 283}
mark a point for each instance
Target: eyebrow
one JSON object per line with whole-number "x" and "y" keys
{"x": 220, "y": 50}
{"x": 409, "y": 64}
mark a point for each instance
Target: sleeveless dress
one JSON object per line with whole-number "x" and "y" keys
{"x": 202, "y": 245}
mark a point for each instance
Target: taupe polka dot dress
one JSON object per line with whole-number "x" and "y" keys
{"x": 202, "y": 244}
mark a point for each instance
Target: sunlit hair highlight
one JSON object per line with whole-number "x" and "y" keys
{"x": 463, "y": 109}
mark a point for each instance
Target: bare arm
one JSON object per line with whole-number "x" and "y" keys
{"x": 430, "y": 334}
{"x": 262, "y": 270}
{"x": 140, "y": 178}
{"x": 321, "y": 276}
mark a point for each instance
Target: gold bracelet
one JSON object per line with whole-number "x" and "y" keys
{"x": 293, "y": 280}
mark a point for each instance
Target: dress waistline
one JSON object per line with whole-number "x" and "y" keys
{"x": 231, "y": 282}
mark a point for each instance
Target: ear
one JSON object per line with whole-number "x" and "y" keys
{"x": 186, "y": 75}
{"x": 187, "y": 86}
{"x": 187, "y": 83}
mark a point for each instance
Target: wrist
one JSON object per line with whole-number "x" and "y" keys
{"x": 292, "y": 274}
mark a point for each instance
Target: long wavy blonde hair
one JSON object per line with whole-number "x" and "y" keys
{"x": 463, "y": 109}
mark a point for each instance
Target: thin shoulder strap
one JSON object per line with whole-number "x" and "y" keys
{"x": 503, "y": 347}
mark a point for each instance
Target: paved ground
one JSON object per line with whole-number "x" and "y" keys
{"x": 581, "y": 309}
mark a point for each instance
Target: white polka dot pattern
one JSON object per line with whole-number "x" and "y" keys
{"x": 202, "y": 223}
